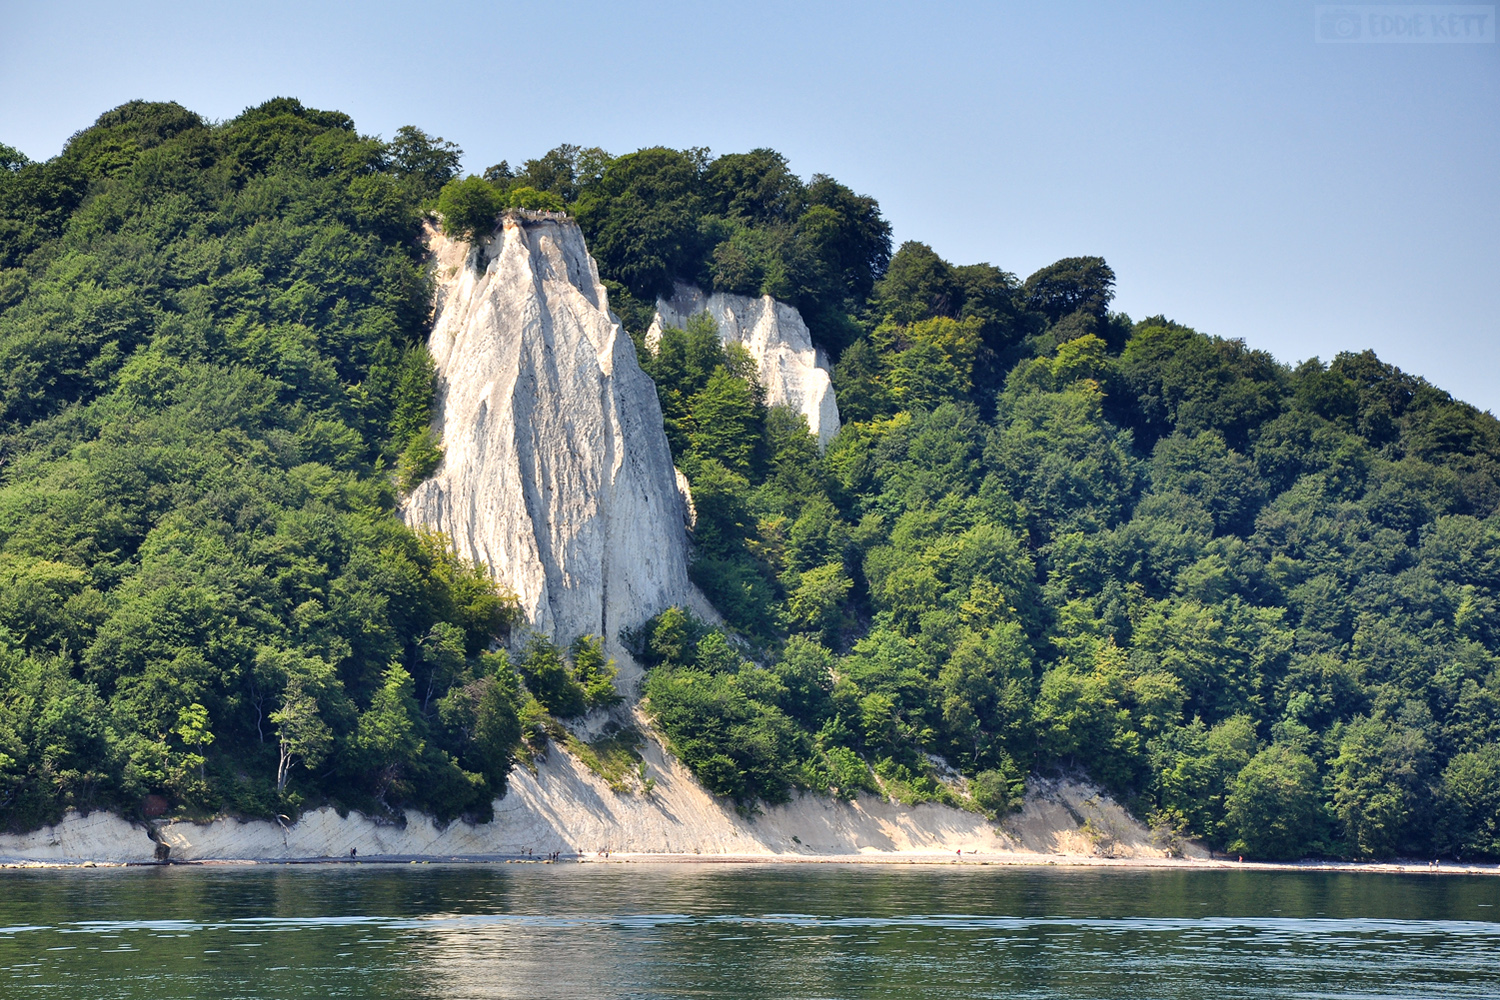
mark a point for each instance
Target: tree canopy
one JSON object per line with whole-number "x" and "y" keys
{"x": 741, "y": 222}
{"x": 1256, "y": 601}
{"x": 212, "y": 346}
{"x": 1248, "y": 598}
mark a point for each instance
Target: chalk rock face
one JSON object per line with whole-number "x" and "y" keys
{"x": 793, "y": 371}
{"x": 556, "y": 471}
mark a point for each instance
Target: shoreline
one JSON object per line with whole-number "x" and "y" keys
{"x": 565, "y": 812}
{"x": 976, "y": 860}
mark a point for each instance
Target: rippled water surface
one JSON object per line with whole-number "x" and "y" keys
{"x": 754, "y": 931}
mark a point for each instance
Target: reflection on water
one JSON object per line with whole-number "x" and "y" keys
{"x": 583, "y": 931}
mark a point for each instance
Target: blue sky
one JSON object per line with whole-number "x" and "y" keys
{"x": 1238, "y": 176}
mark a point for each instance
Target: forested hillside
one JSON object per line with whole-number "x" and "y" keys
{"x": 1256, "y": 601}
{"x": 210, "y": 361}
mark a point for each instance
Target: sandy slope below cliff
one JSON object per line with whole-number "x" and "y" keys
{"x": 564, "y": 807}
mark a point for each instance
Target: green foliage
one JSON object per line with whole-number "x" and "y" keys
{"x": 1074, "y": 284}
{"x": 302, "y": 735}
{"x": 1258, "y": 603}
{"x": 726, "y": 418}
{"x": 418, "y": 460}
{"x": 387, "y": 740}
{"x": 1382, "y": 792}
{"x": 641, "y": 219}
{"x": 735, "y": 454}
{"x": 210, "y": 337}
{"x": 1185, "y": 381}
{"x": 741, "y": 222}
{"x": 1471, "y": 791}
{"x": 919, "y": 366}
{"x": 524, "y": 196}
{"x": 615, "y": 758}
{"x": 411, "y": 418}
{"x": 550, "y": 681}
{"x": 817, "y": 603}
{"x": 1080, "y": 716}
{"x": 721, "y": 714}
{"x": 1195, "y": 766}
{"x": 11, "y": 158}
{"x": 411, "y": 404}
{"x": 918, "y": 285}
{"x": 568, "y": 684}
{"x": 564, "y": 171}
{"x": 481, "y": 720}
{"x": 999, "y": 790}
{"x": 1253, "y": 602}
{"x": 1275, "y": 805}
{"x": 469, "y": 207}
{"x": 593, "y": 671}
{"x": 423, "y": 163}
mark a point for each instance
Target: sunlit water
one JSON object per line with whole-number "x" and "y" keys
{"x": 814, "y": 931}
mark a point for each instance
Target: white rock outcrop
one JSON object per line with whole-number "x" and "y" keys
{"x": 557, "y": 475}
{"x": 793, "y": 371}
{"x": 556, "y": 472}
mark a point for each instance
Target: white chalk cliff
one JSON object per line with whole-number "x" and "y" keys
{"x": 793, "y": 371}
{"x": 556, "y": 475}
{"x": 556, "y": 472}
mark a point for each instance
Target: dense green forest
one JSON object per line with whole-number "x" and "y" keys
{"x": 1257, "y": 602}
{"x": 210, "y": 363}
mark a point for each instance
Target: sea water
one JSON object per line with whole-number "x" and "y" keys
{"x": 742, "y": 931}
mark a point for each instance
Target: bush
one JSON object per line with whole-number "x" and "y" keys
{"x": 573, "y": 684}
{"x": 847, "y": 772}
{"x": 1471, "y": 790}
{"x": 548, "y": 678}
{"x": 530, "y": 198}
{"x": 998, "y": 790}
{"x": 1275, "y": 809}
{"x": 736, "y": 745}
{"x": 419, "y": 459}
{"x": 721, "y": 714}
{"x": 469, "y": 207}
{"x": 593, "y": 671}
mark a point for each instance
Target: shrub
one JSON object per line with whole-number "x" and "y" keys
{"x": 998, "y": 790}
{"x": 547, "y": 677}
{"x": 530, "y": 198}
{"x": 1275, "y": 809}
{"x": 594, "y": 672}
{"x": 469, "y": 207}
{"x": 418, "y": 460}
